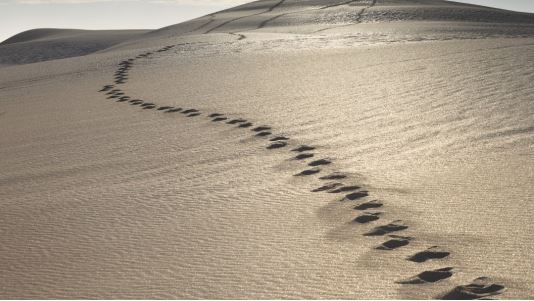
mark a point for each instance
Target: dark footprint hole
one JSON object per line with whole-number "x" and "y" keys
{"x": 189, "y": 111}
{"x": 333, "y": 176}
{"x": 147, "y": 104}
{"x": 385, "y": 229}
{"x": 279, "y": 138}
{"x": 308, "y": 172}
{"x": 193, "y": 115}
{"x": 303, "y": 148}
{"x": 369, "y": 205}
{"x": 261, "y": 128}
{"x": 219, "y": 119}
{"x": 174, "y": 110}
{"x": 276, "y": 145}
{"x": 215, "y": 115}
{"x": 245, "y": 125}
{"x": 356, "y": 195}
{"x": 235, "y": 121}
{"x": 367, "y": 217}
{"x": 303, "y": 156}
{"x": 148, "y": 107}
{"x": 429, "y": 276}
{"x": 320, "y": 162}
{"x": 164, "y": 108}
{"x": 345, "y": 189}
{"x": 431, "y": 253}
{"x": 480, "y": 288}
{"x": 394, "y": 243}
{"x": 326, "y": 187}
{"x": 263, "y": 134}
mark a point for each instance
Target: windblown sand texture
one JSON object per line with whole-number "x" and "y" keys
{"x": 279, "y": 149}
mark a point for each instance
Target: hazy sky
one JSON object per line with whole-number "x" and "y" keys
{"x": 19, "y": 15}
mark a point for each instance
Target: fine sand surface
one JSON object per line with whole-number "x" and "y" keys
{"x": 280, "y": 149}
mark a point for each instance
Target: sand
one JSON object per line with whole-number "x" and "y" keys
{"x": 280, "y": 149}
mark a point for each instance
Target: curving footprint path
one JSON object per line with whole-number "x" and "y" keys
{"x": 337, "y": 183}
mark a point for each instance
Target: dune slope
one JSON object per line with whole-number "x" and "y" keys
{"x": 280, "y": 149}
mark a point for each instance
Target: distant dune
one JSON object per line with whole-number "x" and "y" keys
{"x": 48, "y": 44}
{"x": 282, "y": 149}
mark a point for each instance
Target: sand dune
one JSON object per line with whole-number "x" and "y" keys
{"x": 280, "y": 149}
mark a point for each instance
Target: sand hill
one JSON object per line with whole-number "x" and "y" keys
{"x": 280, "y": 149}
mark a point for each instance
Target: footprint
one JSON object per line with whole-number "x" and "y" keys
{"x": 356, "y": 195}
{"x": 245, "y": 125}
{"x": 303, "y": 156}
{"x": 395, "y": 242}
{"x": 215, "y": 115}
{"x": 219, "y": 119}
{"x": 263, "y": 134}
{"x": 385, "y": 229}
{"x": 308, "y": 172}
{"x": 174, "y": 110}
{"x": 328, "y": 186}
{"x": 193, "y": 114}
{"x": 124, "y": 98}
{"x": 279, "y": 138}
{"x": 367, "y": 217}
{"x": 276, "y": 145}
{"x": 136, "y": 102}
{"x": 303, "y": 148}
{"x": 106, "y": 88}
{"x": 345, "y": 189}
{"x": 164, "y": 108}
{"x": 429, "y": 276}
{"x": 334, "y": 176}
{"x": 480, "y": 288}
{"x": 189, "y": 111}
{"x": 235, "y": 121}
{"x": 369, "y": 205}
{"x": 320, "y": 162}
{"x": 261, "y": 129}
{"x": 146, "y": 104}
{"x": 431, "y": 253}
{"x": 148, "y": 107}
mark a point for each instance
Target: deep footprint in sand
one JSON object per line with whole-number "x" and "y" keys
{"x": 303, "y": 156}
{"x": 320, "y": 162}
{"x": 245, "y": 125}
{"x": 303, "y": 148}
{"x": 276, "y": 145}
{"x": 334, "y": 176}
{"x": 369, "y": 205}
{"x": 164, "y": 108}
{"x": 386, "y": 229}
{"x": 395, "y": 242}
{"x": 193, "y": 115}
{"x": 431, "y": 253}
{"x": 188, "y": 111}
{"x": 279, "y": 138}
{"x": 174, "y": 110}
{"x": 308, "y": 172}
{"x": 328, "y": 186}
{"x": 345, "y": 189}
{"x": 480, "y": 288}
{"x": 146, "y": 104}
{"x": 263, "y": 134}
{"x": 214, "y": 115}
{"x": 429, "y": 276}
{"x": 236, "y": 121}
{"x": 217, "y": 119}
{"x": 367, "y": 217}
{"x": 148, "y": 107}
{"x": 261, "y": 129}
{"x": 356, "y": 195}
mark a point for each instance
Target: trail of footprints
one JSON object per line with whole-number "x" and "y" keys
{"x": 368, "y": 211}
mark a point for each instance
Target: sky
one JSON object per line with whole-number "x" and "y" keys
{"x": 20, "y": 15}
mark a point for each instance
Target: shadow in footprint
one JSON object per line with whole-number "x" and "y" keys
{"x": 367, "y": 217}
{"x": 245, "y": 125}
{"x": 345, "y": 189}
{"x": 164, "y": 108}
{"x": 308, "y": 172}
{"x": 356, "y": 195}
{"x": 303, "y": 156}
{"x": 148, "y": 107}
{"x": 480, "y": 288}
{"x": 261, "y": 129}
{"x": 369, "y": 205}
{"x": 320, "y": 162}
{"x": 279, "y": 138}
{"x": 276, "y": 145}
{"x": 174, "y": 110}
{"x": 219, "y": 119}
{"x": 188, "y": 111}
{"x": 326, "y": 187}
{"x": 263, "y": 134}
{"x": 193, "y": 115}
{"x": 334, "y": 176}
{"x": 395, "y": 242}
{"x": 431, "y": 253}
{"x": 386, "y": 229}
{"x": 429, "y": 276}
{"x": 235, "y": 121}
{"x": 303, "y": 148}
